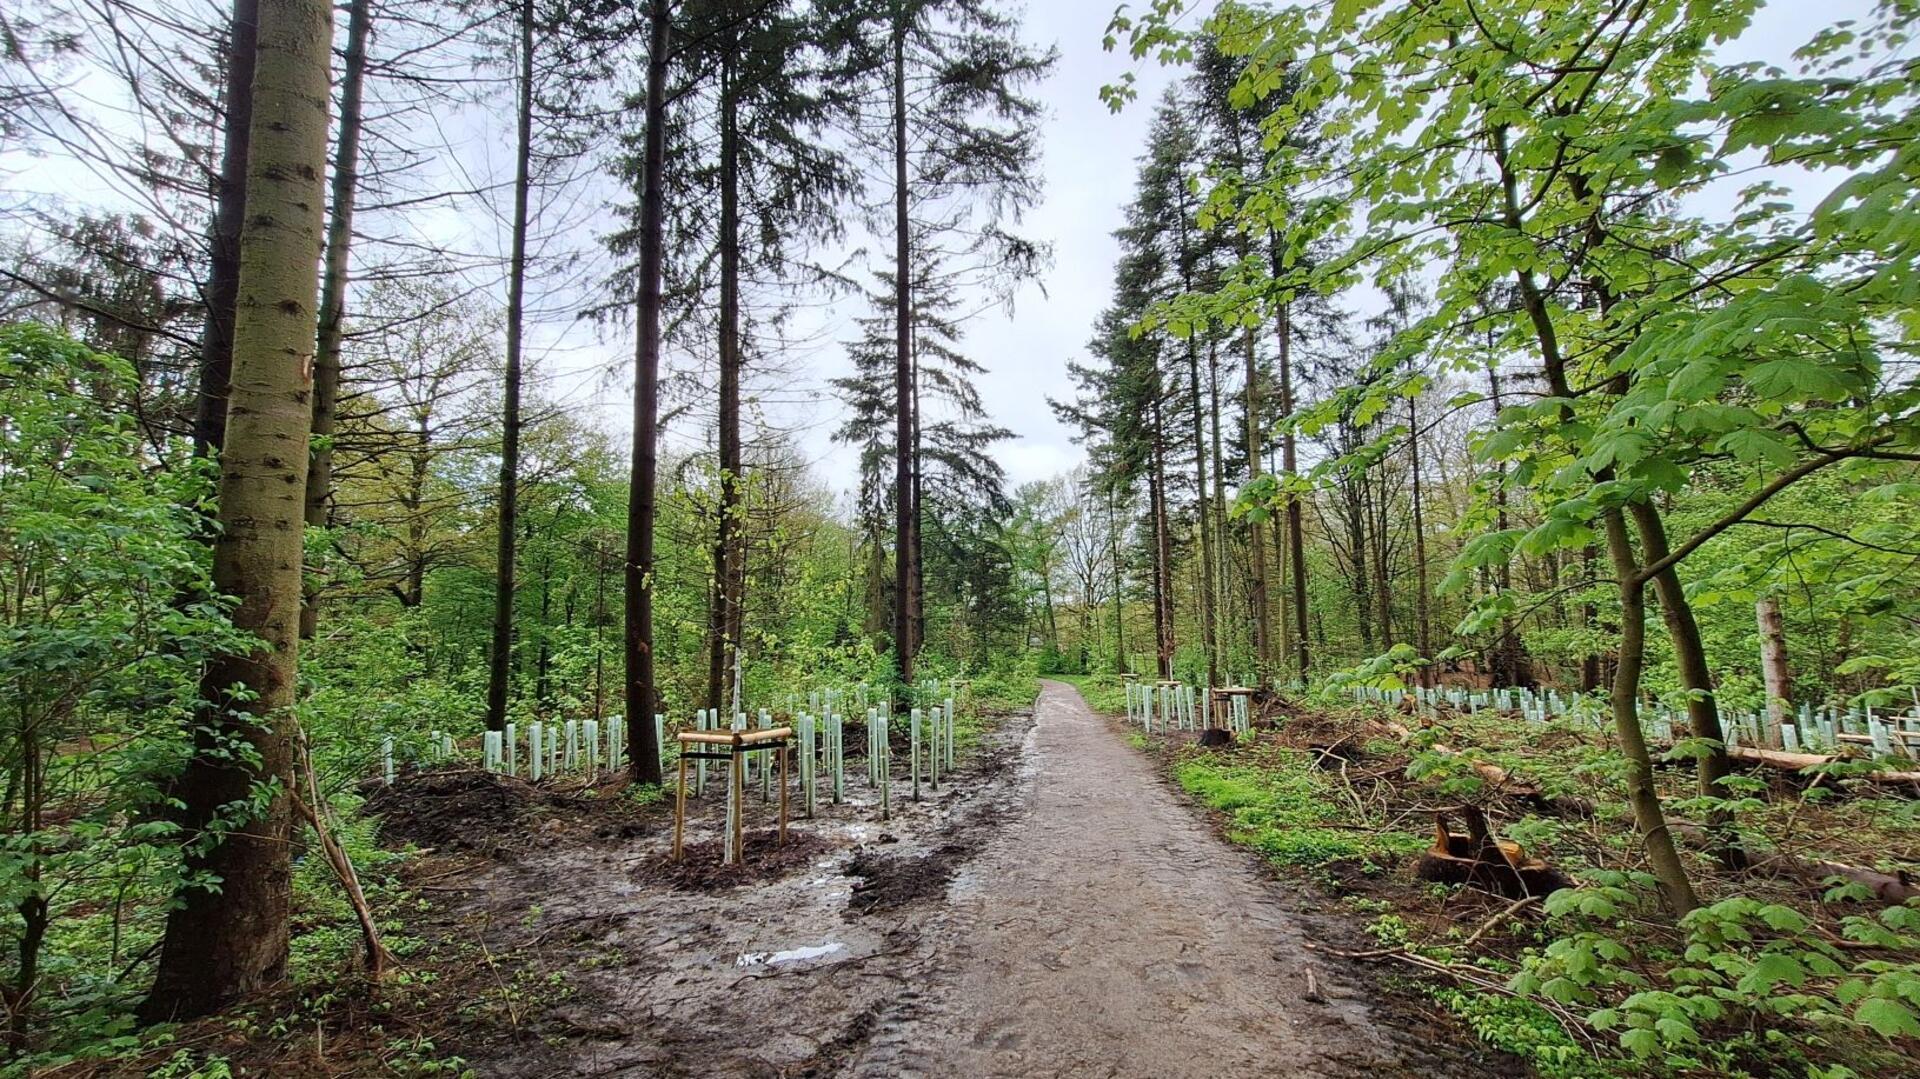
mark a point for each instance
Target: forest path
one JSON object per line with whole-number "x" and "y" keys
{"x": 1106, "y": 931}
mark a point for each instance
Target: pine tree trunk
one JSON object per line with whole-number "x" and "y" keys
{"x": 1224, "y": 614}
{"x": 903, "y": 507}
{"x": 500, "y": 666}
{"x": 1256, "y": 543}
{"x": 643, "y": 749}
{"x": 333, "y": 287}
{"x": 1164, "y": 643}
{"x": 223, "y": 239}
{"x": 224, "y": 944}
{"x": 1296, "y": 528}
{"x": 1209, "y": 638}
{"x": 728, "y": 561}
{"x": 917, "y": 587}
{"x": 1119, "y": 592}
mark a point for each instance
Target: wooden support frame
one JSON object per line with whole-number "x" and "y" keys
{"x": 1220, "y": 704}
{"x": 732, "y": 748}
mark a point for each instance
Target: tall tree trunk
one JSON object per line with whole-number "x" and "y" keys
{"x": 1773, "y": 666}
{"x": 1209, "y": 638}
{"x": 1119, "y": 592}
{"x": 543, "y": 660}
{"x": 1589, "y": 620}
{"x": 1296, "y": 529}
{"x": 1508, "y": 666}
{"x": 223, "y": 239}
{"x": 500, "y": 667}
{"x": 1356, "y": 515}
{"x": 903, "y": 508}
{"x": 1164, "y": 643}
{"x": 1224, "y": 614}
{"x": 1257, "y": 586}
{"x": 643, "y": 749}
{"x": 917, "y": 589}
{"x": 1423, "y": 616}
{"x": 728, "y": 559}
{"x": 225, "y": 943}
{"x": 333, "y": 288}
{"x": 1382, "y": 567}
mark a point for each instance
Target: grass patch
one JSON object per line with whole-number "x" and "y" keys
{"x": 1282, "y": 809}
{"x": 1103, "y": 692}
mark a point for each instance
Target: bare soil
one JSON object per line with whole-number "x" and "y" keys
{"x": 1054, "y": 909}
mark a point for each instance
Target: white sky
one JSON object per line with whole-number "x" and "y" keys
{"x": 1088, "y": 167}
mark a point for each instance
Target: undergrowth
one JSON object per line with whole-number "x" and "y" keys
{"x": 1279, "y": 807}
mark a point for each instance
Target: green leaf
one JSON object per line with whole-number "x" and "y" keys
{"x": 1887, "y": 1018}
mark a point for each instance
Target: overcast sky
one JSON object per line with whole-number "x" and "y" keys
{"x": 1087, "y": 167}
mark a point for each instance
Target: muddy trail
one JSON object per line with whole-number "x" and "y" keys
{"x": 1055, "y": 909}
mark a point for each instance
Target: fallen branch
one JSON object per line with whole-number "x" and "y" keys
{"x": 377, "y": 955}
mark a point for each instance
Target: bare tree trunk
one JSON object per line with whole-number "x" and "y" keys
{"x": 643, "y": 749}
{"x": 903, "y": 508}
{"x": 500, "y": 667}
{"x": 223, "y": 240}
{"x": 1164, "y": 641}
{"x": 333, "y": 288}
{"x": 917, "y": 590}
{"x": 1363, "y": 606}
{"x": 1589, "y": 619}
{"x": 1296, "y": 530}
{"x": 1257, "y": 587}
{"x": 1502, "y": 665}
{"x": 1223, "y": 593}
{"x": 1773, "y": 666}
{"x": 1423, "y": 616}
{"x": 728, "y": 559}
{"x": 1209, "y": 633}
{"x": 1119, "y": 592}
{"x": 225, "y": 943}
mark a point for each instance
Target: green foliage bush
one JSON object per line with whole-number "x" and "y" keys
{"x": 104, "y": 625}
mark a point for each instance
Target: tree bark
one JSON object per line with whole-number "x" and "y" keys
{"x": 643, "y": 750}
{"x": 1648, "y": 815}
{"x": 223, "y": 944}
{"x": 1164, "y": 642}
{"x": 903, "y": 508}
{"x": 726, "y": 619}
{"x": 500, "y": 666}
{"x": 1773, "y": 666}
{"x": 1119, "y": 592}
{"x": 1690, "y": 655}
{"x": 1257, "y": 587}
{"x": 1209, "y": 633}
{"x": 333, "y": 288}
{"x": 1423, "y": 615}
{"x": 223, "y": 239}
{"x": 1296, "y": 529}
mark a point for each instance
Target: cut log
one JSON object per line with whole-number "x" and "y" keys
{"x": 1479, "y": 859}
{"x": 1896, "y": 887}
{"x": 1776, "y": 758}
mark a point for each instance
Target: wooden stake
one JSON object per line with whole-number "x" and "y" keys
{"x": 680, "y": 807}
